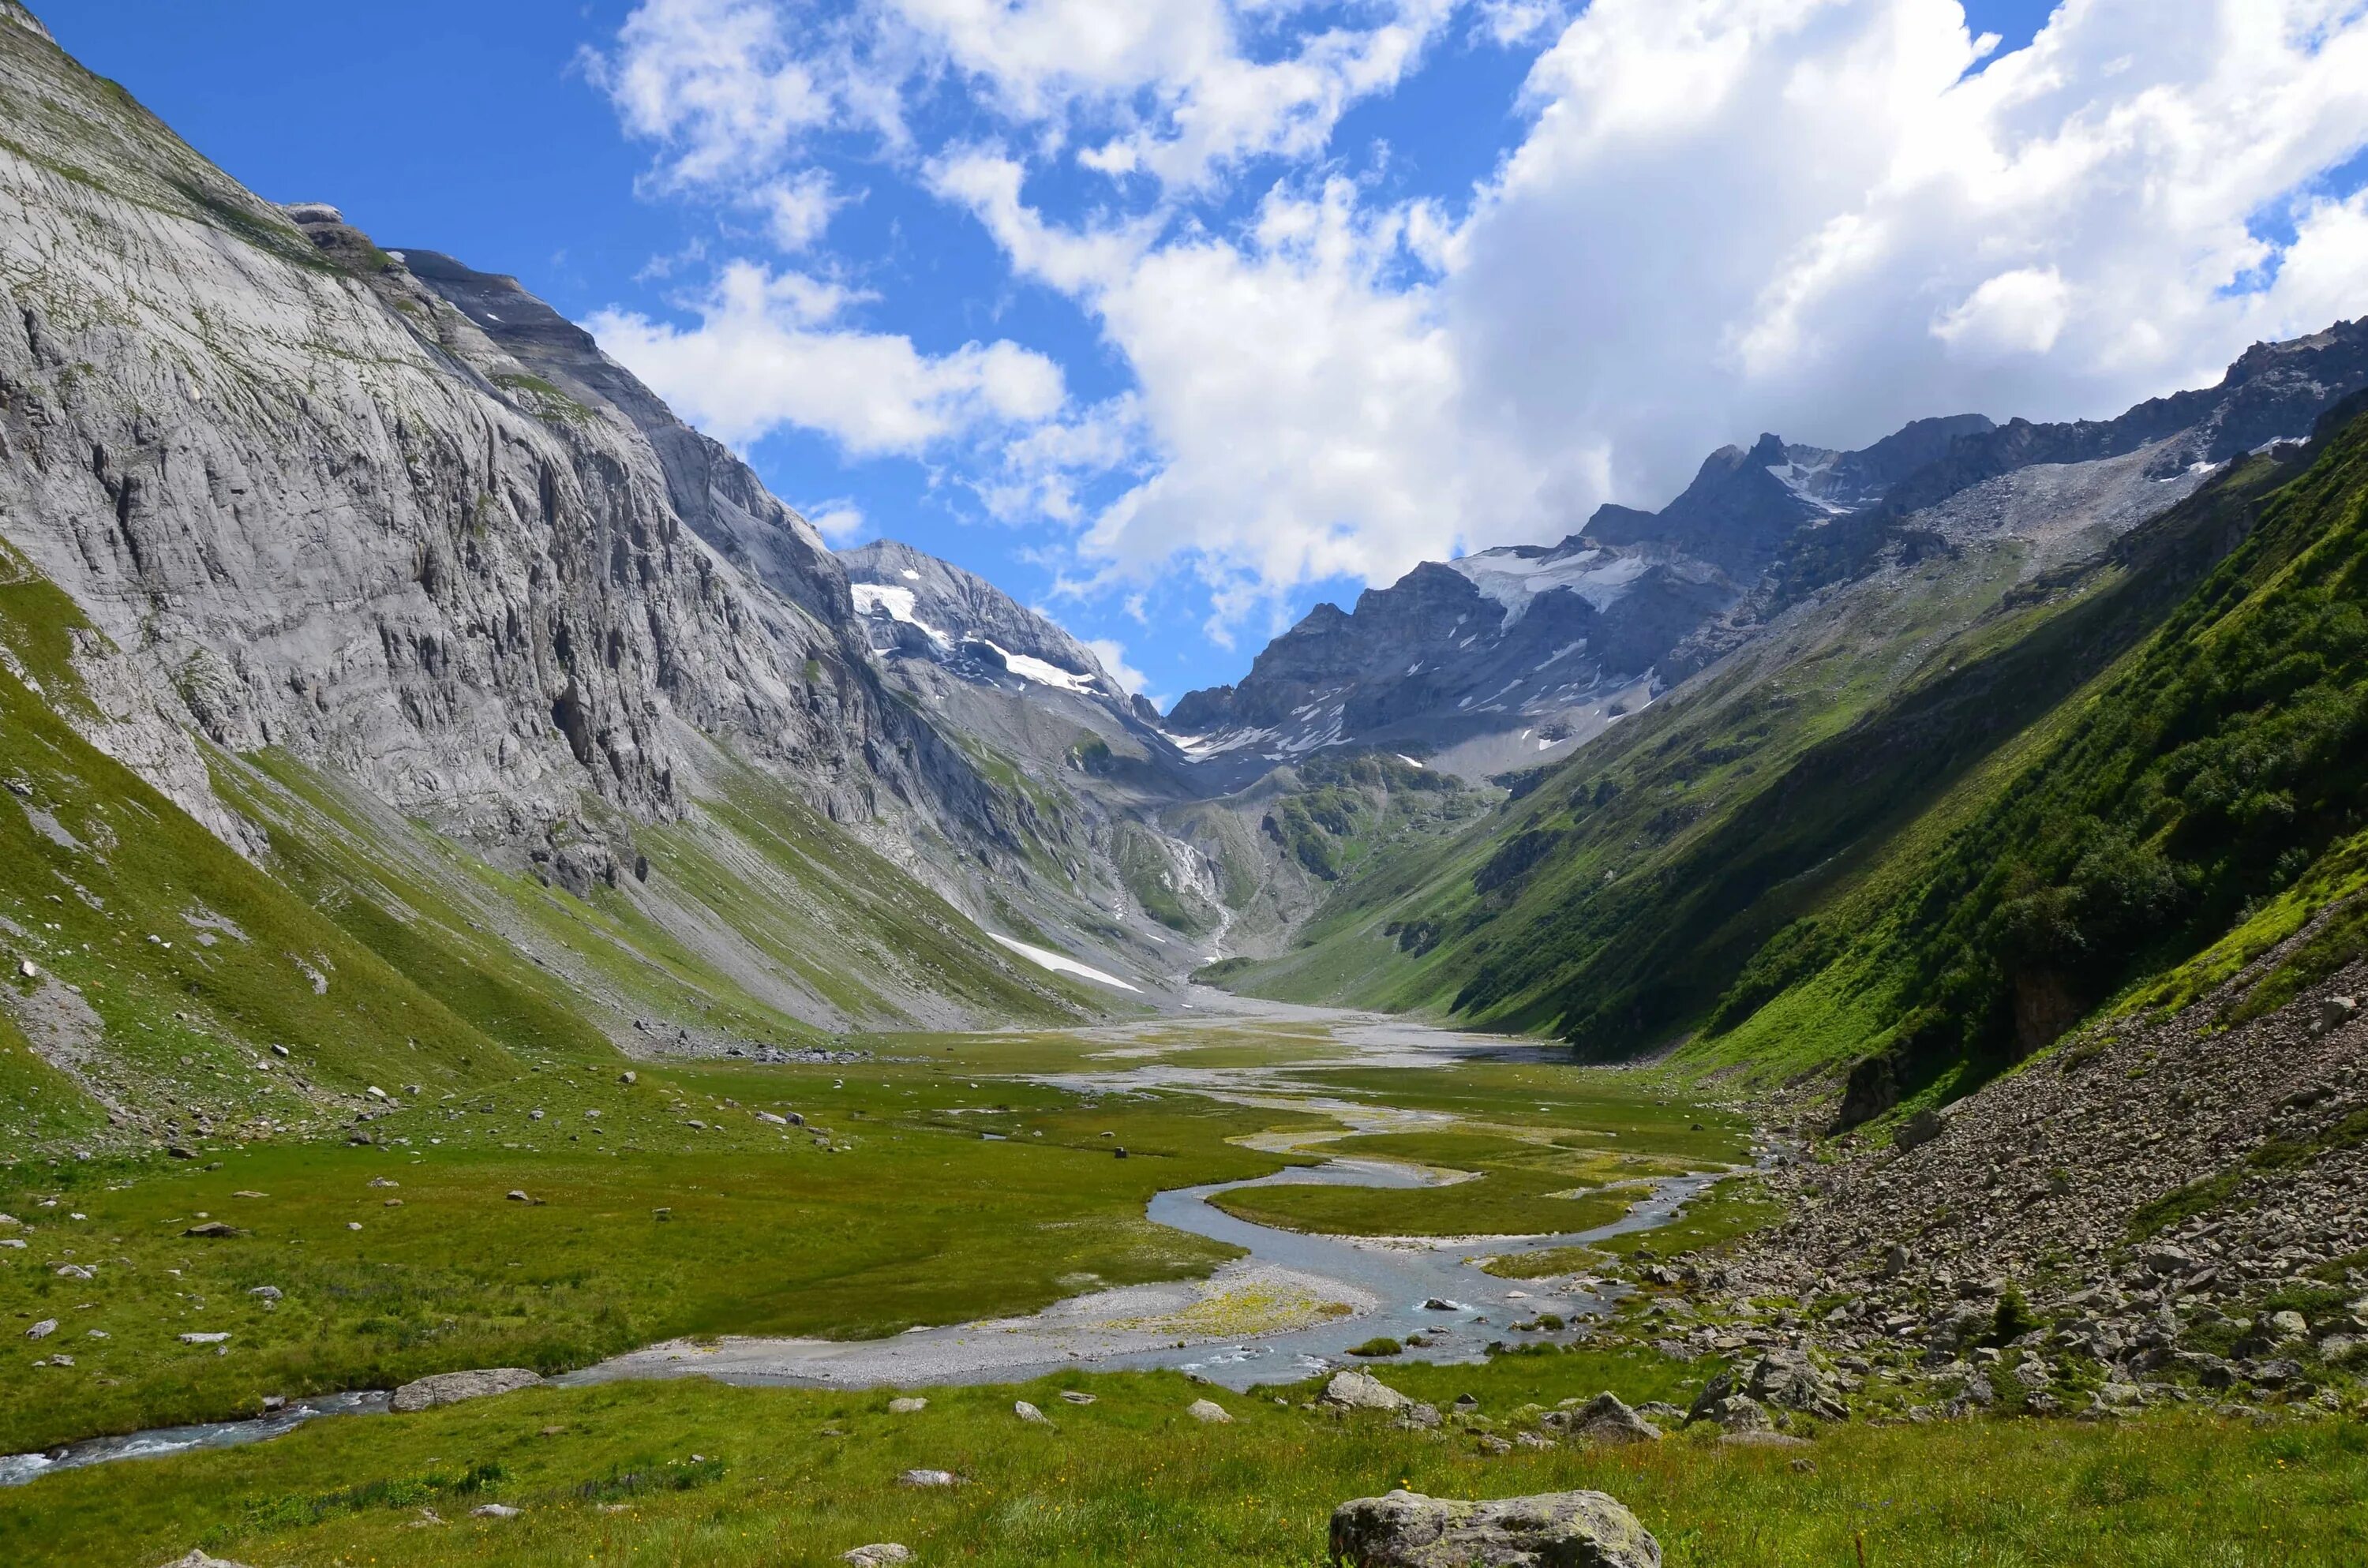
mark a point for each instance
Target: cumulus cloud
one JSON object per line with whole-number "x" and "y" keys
{"x": 768, "y": 351}
{"x": 1710, "y": 218}
{"x": 1824, "y": 217}
{"x": 841, "y": 523}
{"x": 1112, "y": 654}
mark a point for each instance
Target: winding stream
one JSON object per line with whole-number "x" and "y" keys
{"x": 1321, "y": 1295}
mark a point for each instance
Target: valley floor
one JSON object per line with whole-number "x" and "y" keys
{"x": 855, "y": 1221}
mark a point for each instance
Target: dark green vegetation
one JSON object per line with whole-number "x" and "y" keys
{"x": 799, "y": 1477}
{"x": 1932, "y": 827}
{"x": 1350, "y": 804}
{"x": 886, "y": 1208}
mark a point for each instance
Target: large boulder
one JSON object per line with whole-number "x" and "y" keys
{"x": 1362, "y": 1390}
{"x": 451, "y": 1388}
{"x": 1558, "y": 1529}
{"x": 1790, "y": 1380}
{"x": 1607, "y": 1419}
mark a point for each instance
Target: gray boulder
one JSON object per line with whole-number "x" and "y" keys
{"x": 879, "y": 1554}
{"x": 1608, "y": 1419}
{"x": 451, "y": 1388}
{"x": 197, "y": 1559}
{"x": 1362, "y": 1390}
{"x": 1790, "y": 1380}
{"x": 1731, "y": 1413}
{"x": 1207, "y": 1412}
{"x": 1557, "y": 1529}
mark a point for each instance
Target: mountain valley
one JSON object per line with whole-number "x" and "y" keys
{"x": 549, "y": 1014}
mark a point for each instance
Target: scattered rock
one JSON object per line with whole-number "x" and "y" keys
{"x": 451, "y": 1388}
{"x": 42, "y": 1329}
{"x": 1362, "y": 1390}
{"x": 1027, "y": 1412}
{"x": 204, "y": 1339}
{"x": 1077, "y": 1396}
{"x": 517, "y": 1197}
{"x": 214, "y": 1228}
{"x": 493, "y": 1511}
{"x": 1210, "y": 1411}
{"x": 879, "y": 1554}
{"x": 926, "y": 1478}
{"x": 911, "y": 1404}
{"x": 1608, "y": 1419}
{"x": 197, "y": 1559}
{"x": 1406, "y": 1530}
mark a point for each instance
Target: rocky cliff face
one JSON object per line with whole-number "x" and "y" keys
{"x": 407, "y": 523}
{"x": 381, "y": 570}
{"x": 914, "y": 605}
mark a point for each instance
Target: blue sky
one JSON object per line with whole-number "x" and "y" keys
{"x": 1175, "y": 317}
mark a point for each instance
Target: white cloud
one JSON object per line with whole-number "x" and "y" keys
{"x": 766, "y": 354}
{"x": 841, "y": 523}
{"x": 722, "y": 85}
{"x": 2021, "y": 312}
{"x": 1112, "y": 654}
{"x": 798, "y": 208}
{"x": 1819, "y": 217}
{"x": 1299, "y": 402}
{"x": 1824, "y": 217}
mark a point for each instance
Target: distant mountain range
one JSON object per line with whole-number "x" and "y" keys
{"x": 1503, "y": 658}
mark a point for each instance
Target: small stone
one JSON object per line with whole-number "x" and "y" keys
{"x": 909, "y": 1405}
{"x": 213, "y": 1229}
{"x": 517, "y": 1197}
{"x": 1027, "y": 1412}
{"x": 879, "y": 1554}
{"x": 203, "y": 1338}
{"x": 1209, "y": 1412}
{"x": 929, "y": 1478}
{"x": 42, "y": 1329}
{"x": 1077, "y": 1396}
{"x": 493, "y": 1511}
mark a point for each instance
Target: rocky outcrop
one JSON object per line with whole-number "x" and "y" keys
{"x": 451, "y": 1388}
{"x": 1557, "y": 1529}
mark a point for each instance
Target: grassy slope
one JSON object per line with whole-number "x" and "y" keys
{"x": 1674, "y": 871}
{"x": 2205, "y": 797}
{"x": 377, "y": 950}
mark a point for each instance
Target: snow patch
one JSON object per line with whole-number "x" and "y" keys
{"x": 1059, "y": 964}
{"x": 1040, "y": 672}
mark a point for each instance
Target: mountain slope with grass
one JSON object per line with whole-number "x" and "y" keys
{"x": 1935, "y": 820}
{"x": 417, "y": 701}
